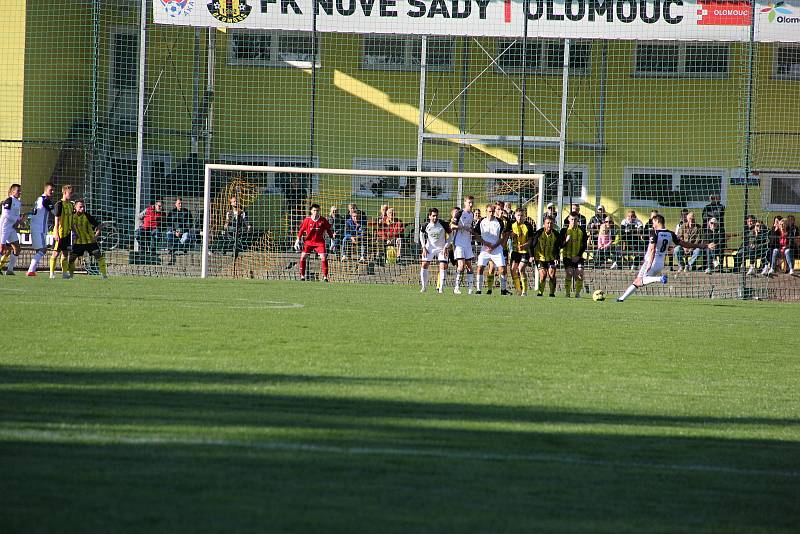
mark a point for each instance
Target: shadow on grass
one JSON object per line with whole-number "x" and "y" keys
{"x": 531, "y": 468}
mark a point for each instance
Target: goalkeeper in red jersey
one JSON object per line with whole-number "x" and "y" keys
{"x": 314, "y": 229}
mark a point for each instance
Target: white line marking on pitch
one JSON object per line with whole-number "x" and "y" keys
{"x": 246, "y": 305}
{"x": 78, "y": 437}
{"x": 10, "y": 289}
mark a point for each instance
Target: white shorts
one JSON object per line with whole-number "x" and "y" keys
{"x": 435, "y": 253}
{"x": 8, "y": 235}
{"x": 496, "y": 256}
{"x": 38, "y": 240}
{"x": 463, "y": 252}
{"x": 654, "y": 270}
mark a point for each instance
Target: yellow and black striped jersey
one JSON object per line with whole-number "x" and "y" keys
{"x": 520, "y": 234}
{"x": 64, "y": 211}
{"x": 545, "y": 246}
{"x": 573, "y": 241}
{"x": 85, "y": 226}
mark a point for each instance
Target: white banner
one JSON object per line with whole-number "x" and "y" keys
{"x": 720, "y": 20}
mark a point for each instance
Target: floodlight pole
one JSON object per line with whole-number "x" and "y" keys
{"x": 140, "y": 114}
{"x": 423, "y": 67}
{"x": 562, "y": 138}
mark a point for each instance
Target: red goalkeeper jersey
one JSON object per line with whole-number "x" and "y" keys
{"x": 315, "y": 230}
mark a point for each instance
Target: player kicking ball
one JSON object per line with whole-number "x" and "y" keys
{"x": 660, "y": 241}
{"x": 314, "y": 229}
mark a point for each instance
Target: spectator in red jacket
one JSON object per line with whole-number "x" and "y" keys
{"x": 152, "y": 219}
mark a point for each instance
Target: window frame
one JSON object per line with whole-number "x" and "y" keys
{"x": 408, "y": 57}
{"x": 534, "y": 168}
{"x": 437, "y": 165}
{"x": 541, "y": 68}
{"x": 791, "y": 75}
{"x": 676, "y": 173}
{"x": 766, "y": 182}
{"x": 273, "y": 161}
{"x": 681, "y": 71}
{"x": 275, "y": 59}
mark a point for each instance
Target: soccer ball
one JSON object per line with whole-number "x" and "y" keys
{"x": 599, "y": 295}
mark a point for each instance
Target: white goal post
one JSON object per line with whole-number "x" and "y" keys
{"x": 210, "y": 167}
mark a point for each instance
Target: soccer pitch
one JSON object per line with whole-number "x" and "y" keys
{"x": 171, "y": 405}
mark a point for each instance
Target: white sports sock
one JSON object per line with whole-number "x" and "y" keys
{"x": 628, "y": 292}
{"x": 503, "y": 282}
{"x": 459, "y": 274}
{"x": 35, "y": 261}
{"x": 479, "y": 279}
{"x": 441, "y": 279}
{"x": 423, "y": 277}
{"x": 650, "y": 279}
{"x": 11, "y": 262}
{"x": 470, "y": 280}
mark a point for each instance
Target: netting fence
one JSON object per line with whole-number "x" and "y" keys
{"x": 632, "y": 106}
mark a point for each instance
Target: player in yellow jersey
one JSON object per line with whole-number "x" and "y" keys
{"x": 573, "y": 245}
{"x": 545, "y": 247}
{"x": 86, "y": 231}
{"x": 521, "y": 237}
{"x": 62, "y": 231}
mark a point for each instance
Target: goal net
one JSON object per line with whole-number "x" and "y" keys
{"x": 252, "y": 215}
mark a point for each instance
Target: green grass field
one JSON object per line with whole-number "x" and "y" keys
{"x": 182, "y": 405}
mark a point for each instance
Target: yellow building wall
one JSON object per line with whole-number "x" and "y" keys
{"x": 12, "y": 90}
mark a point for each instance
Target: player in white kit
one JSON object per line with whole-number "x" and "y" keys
{"x": 40, "y": 218}
{"x": 659, "y": 243}
{"x": 461, "y": 225}
{"x": 9, "y": 220}
{"x": 491, "y": 233}
{"x": 433, "y": 238}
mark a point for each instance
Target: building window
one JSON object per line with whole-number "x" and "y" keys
{"x": 672, "y": 188}
{"x": 402, "y": 186}
{"x": 576, "y": 184}
{"x": 269, "y": 183}
{"x": 787, "y": 62}
{"x": 272, "y": 49}
{"x": 383, "y": 52}
{"x": 544, "y": 56}
{"x": 781, "y": 191}
{"x": 689, "y": 60}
